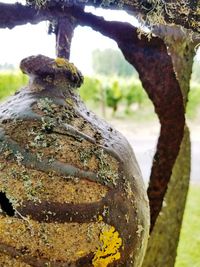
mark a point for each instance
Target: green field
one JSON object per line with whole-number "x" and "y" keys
{"x": 189, "y": 245}
{"x": 119, "y": 96}
{"x": 10, "y": 82}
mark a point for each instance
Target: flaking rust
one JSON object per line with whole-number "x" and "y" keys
{"x": 71, "y": 193}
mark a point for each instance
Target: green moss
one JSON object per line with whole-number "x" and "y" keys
{"x": 45, "y": 104}
{"x": 37, "y": 3}
{"x": 156, "y": 10}
{"x": 65, "y": 64}
{"x": 105, "y": 172}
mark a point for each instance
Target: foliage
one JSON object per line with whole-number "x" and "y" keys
{"x": 7, "y": 66}
{"x": 196, "y": 70}
{"x": 114, "y": 92}
{"x": 193, "y": 100}
{"x": 113, "y": 95}
{"x": 124, "y": 93}
{"x": 37, "y": 3}
{"x": 188, "y": 250}
{"x": 11, "y": 82}
{"x": 91, "y": 90}
{"x": 111, "y": 62}
{"x": 134, "y": 94}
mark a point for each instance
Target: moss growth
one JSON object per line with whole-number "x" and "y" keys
{"x": 156, "y": 10}
{"x": 37, "y": 3}
{"x": 64, "y": 63}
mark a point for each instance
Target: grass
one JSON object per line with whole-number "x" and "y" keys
{"x": 10, "y": 82}
{"x": 91, "y": 91}
{"x": 189, "y": 245}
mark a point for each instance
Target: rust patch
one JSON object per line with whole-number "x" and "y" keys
{"x": 157, "y": 75}
{"x": 155, "y": 68}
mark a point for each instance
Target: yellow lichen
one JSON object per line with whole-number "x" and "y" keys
{"x": 61, "y": 62}
{"x": 100, "y": 218}
{"x": 81, "y": 253}
{"x": 108, "y": 251}
{"x": 64, "y": 63}
{"x": 69, "y": 101}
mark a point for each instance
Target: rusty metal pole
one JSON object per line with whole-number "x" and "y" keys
{"x": 64, "y": 33}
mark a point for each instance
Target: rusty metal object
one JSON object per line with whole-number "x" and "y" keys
{"x": 71, "y": 192}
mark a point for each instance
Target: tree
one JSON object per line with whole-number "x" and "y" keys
{"x": 167, "y": 89}
{"x": 113, "y": 95}
{"x": 116, "y": 65}
{"x": 6, "y": 66}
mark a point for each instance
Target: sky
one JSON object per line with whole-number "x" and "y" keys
{"x": 23, "y": 41}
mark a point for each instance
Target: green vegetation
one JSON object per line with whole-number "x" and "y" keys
{"x": 90, "y": 91}
{"x": 114, "y": 95}
{"x": 193, "y": 100}
{"x": 10, "y": 82}
{"x": 125, "y": 96}
{"x": 119, "y": 96}
{"x": 111, "y": 62}
{"x": 196, "y": 70}
{"x": 115, "y": 89}
{"x": 189, "y": 246}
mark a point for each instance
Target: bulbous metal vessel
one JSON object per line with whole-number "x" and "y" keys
{"x": 71, "y": 192}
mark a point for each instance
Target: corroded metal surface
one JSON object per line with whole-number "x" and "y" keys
{"x": 52, "y": 149}
{"x": 154, "y": 65}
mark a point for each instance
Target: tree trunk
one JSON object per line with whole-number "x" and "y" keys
{"x": 163, "y": 242}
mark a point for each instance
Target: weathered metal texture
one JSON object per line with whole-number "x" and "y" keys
{"x": 154, "y": 65}
{"x": 164, "y": 240}
{"x": 70, "y": 189}
{"x": 157, "y": 75}
{"x": 184, "y": 13}
{"x": 64, "y": 32}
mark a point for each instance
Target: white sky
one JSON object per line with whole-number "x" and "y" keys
{"x": 23, "y": 41}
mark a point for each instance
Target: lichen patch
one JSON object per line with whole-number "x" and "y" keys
{"x": 63, "y": 242}
{"x": 7, "y": 261}
{"x": 64, "y": 146}
{"x": 29, "y": 184}
{"x": 108, "y": 251}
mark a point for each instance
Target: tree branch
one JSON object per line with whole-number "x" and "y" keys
{"x": 172, "y": 12}
{"x": 12, "y": 15}
{"x": 167, "y": 12}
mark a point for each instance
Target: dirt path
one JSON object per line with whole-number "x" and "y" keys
{"x": 143, "y": 138}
